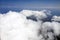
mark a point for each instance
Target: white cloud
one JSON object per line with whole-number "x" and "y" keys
{"x": 39, "y": 14}
{"x": 50, "y": 29}
{"x": 52, "y": 25}
{"x": 56, "y": 27}
{"x": 15, "y": 26}
{"x": 56, "y": 18}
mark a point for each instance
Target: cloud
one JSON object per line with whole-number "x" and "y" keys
{"x": 50, "y": 29}
{"x": 52, "y": 26}
{"x": 56, "y": 18}
{"x": 39, "y": 14}
{"x": 16, "y": 26}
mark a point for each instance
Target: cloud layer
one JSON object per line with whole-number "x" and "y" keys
{"x": 16, "y": 26}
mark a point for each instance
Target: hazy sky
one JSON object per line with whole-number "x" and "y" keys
{"x": 29, "y": 3}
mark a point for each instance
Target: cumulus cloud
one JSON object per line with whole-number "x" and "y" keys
{"x": 16, "y": 26}
{"x": 56, "y": 18}
{"x": 39, "y": 14}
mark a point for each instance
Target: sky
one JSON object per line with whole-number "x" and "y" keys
{"x": 14, "y": 24}
{"x": 30, "y": 4}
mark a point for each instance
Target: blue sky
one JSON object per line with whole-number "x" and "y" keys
{"x": 30, "y": 4}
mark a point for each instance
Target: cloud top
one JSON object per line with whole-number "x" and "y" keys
{"x": 56, "y": 18}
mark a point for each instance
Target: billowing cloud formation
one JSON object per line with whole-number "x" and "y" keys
{"x": 39, "y": 14}
{"x": 16, "y": 26}
{"x": 51, "y": 29}
{"x": 56, "y": 18}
